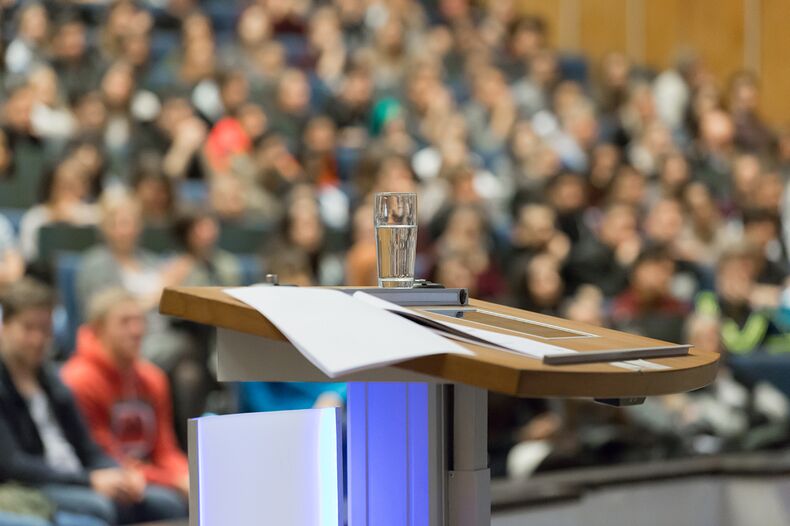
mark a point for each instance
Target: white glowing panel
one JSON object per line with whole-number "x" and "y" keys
{"x": 279, "y": 467}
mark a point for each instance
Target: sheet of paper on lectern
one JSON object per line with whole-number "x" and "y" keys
{"x": 340, "y": 334}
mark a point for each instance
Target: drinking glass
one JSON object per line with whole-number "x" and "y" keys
{"x": 395, "y": 219}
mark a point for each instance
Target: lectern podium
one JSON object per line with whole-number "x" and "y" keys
{"x": 416, "y": 430}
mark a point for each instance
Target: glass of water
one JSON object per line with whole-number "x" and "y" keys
{"x": 395, "y": 219}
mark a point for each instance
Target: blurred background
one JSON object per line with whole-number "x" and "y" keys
{"x": 617, "y": 162}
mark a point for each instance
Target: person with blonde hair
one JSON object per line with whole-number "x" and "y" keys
{"x": 125, "y": 399}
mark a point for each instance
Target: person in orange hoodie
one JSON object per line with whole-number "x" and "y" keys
{"x": 125, "y": 399}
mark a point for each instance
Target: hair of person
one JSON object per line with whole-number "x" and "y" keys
{"x": 102, "y": 303}
{"x": 185, "y": 222}
{"x": 26, "y": 294}
{"x": 760, "y": 215}
{"x": 531, "y": 23}
{"x": 113, "y": 200}
{"x": 653, "y": 253}
{"x": 735, "y": 252}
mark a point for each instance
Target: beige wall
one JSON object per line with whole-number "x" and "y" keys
{"x": 727, "y": 34}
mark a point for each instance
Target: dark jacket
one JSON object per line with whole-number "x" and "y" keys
{"x": 21, "y": 450}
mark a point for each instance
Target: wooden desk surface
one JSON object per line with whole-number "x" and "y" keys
{"x": 495, "y": 370}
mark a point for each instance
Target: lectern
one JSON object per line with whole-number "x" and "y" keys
{"x": 416, "y": 430}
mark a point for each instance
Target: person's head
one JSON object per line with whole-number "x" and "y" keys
{"x": 293, "y": 92}
{"x": 466, "y": 229}
{"x": 744, "y": 93}
{"x": 716, "y": 130}
{"x": 33, "y": 23}
{"x": 664, "y": 221}
{"x": 117, "y": 86}
{"x": 651, "y": 275}
{"x": 66, "y": 183}
{"x": 303, "y": 226}
{"x": 234, "y": 90}
{"x": 154, "y": 193}
{"x": 543, "y": 281}
{"x": 704, "y": 333}
{"x": 567, "y": 192}
{"x": 324, "y": 27}
{"x": 701, "y": 207}
{"x": 319, "y": 135}
{"x": 736, "y": 273}
{"x": 394, "y": 175}
{"x": 489, "y": 87}
{"x": 197, "y": 233}
{"x": 227, "y": 198}
{"x": 254, "y": 27}
{"x": 619, "y": 224}
{"x": 769, "y": 192}
{"x": 291, "y": 265}
{"x": 628, "y": 187}
{"x": 118, "y": 320}
{"x": 357, "y": 86}
{"x": 674, "y": 173}
{"x": 453, "y": 269}
{"x": 18, "y": 108}
{"x": 586, "y": 306}
{"x": 526, "y": 36}
{"x": 760, "y": 227}
{"x": 746, "y": 171}
{"x": 535, "y": 226}
{"x": 27, "y": 323}
{"x": 70, "y": 40}
{"x": 44, "y": 82}
{"x": 136, "y": 48}
{"x": 91, "y": 113}
{"x": 122, "y": 222}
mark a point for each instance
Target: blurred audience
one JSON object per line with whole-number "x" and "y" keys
{"x": 605, "y": 191}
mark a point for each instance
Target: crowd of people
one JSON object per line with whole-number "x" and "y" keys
{"x": 604, "y": 191}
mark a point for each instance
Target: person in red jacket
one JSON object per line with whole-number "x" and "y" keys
{"x": 125, "y": 399}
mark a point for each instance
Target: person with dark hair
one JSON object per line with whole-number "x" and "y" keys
{"x": 76, "y": 64}
{"x": 762, "y": 229}
{"x": 647, "y": 306}
{"x": 751, "y": 131}
{"x": 43, "y": 440}
{"x": 63, "y": 194}
{"x": 746, "y": 324}
{"x": 156, "y": 195}
{"x": 197, "y": 234}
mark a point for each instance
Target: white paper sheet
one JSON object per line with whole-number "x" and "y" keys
{"x": 340, "y": 334}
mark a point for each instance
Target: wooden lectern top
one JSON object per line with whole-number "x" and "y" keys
{"x": 494, "y": 370}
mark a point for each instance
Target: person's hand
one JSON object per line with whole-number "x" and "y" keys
{"x": 176, "y": 271}
{"x": 182, "y": 485}
{"x": 190, "y": 134}
{"x": 627, "y": 251}
{"x": 135, "y": 484}
{"x": 114, "y": 484}
{"x": 559, "y": 246}
{"x": 328, "y": 399}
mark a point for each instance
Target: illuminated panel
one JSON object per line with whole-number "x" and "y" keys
{"x": 269, "y": 468}
{"x": 388, "y": 454}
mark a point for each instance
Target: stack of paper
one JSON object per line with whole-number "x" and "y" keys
{"x": 340, "y": 334}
